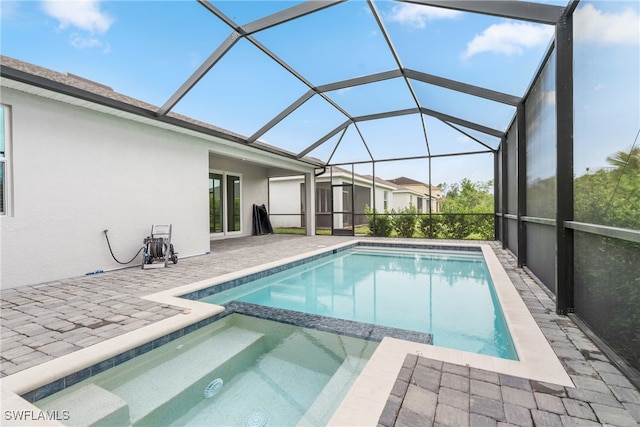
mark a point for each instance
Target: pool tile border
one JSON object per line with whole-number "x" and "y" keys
{"x": 83, "y": 374}
{"x": 366, "y": 331}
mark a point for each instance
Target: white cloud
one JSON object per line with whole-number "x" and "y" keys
{"x": 80, "y": 42}
{"x": 82, "y": 14}
{"x": 509, "y": 38}
{"x": 10, "y": 10}
{"x": 593, "y": 26}
{"x": 417, "y": 16}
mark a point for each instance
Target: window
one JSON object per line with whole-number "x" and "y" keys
{"x": 215, "y": 203}
{"x": 225, "y": 203}
{"x": 386, "y": 201}
{"x": 233, "y": 203}
{"x": 4, "y": 148}
{"x": 323, "y": 199}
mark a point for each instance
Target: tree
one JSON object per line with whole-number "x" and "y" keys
{"x": 626, "y": 162}
{"x": 611, "y": 197}
{"x": 468, "y": 197}
{"x": 462, "y": 199}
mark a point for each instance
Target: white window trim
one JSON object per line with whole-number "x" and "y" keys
{"x": 224, "y": 233}
{"x": 6, "y": 160}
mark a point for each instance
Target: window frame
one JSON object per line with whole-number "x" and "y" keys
{"x": 5, "y": 161}
{"x": 225, "y": 220}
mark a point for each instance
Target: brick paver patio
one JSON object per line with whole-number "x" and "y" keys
{"x": 45, "y": 321}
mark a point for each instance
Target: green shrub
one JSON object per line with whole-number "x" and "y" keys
{"x": 427, "y": 224}
{"x": 455, "y": 226}
{"x": 404, "y": 221}
{"x": 483, "y": 227}
{"x": 379, "y": 224}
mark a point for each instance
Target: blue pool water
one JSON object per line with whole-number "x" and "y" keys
{"x": 448, "y": 294}
{"x": 236, "y": 371}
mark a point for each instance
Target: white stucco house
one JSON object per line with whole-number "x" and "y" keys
{"x": 404, "y": 197}
{"x": 418, "y": 194}
{"x": 78, "y": 158}
{"x": 287, "y": 195}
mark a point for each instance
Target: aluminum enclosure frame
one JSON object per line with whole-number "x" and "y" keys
{"x": 525, "y": 11}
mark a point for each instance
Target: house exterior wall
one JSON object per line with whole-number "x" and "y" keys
{"x": 401, "y": 201}
{"x": 284, "y": 201}
{"x": 284, "y": 198}
{"x": 436, "y": 195}
{"x": 77, "y": 172}
{"x": 418, "y": 188}
{"x": 379, "y": 199}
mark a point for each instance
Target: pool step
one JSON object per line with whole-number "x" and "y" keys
{"x": 89, "y": 405}
{"x": 153, "y": 391}
{"x": 303, "y": 348}
{"x": 277, "y": 388}
{"x": 323, "y": 407}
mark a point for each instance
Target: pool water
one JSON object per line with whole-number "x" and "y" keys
{"x": 448, "y": 294}
{"x": 237, "y": 371}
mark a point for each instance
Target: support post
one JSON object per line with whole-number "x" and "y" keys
{"x": 496, "y": 194}
{"x": 564, "y": 163}
{"x": 310, "y": 202}
{"x": 522, "y": 183}
{"x": 505, "y": 191}
{"x": 430, "y": 202}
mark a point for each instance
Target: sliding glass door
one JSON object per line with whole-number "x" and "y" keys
{"x": 225, "y": 203}
{"x": 233, "y": 203}
{"x": 215, "y": 203}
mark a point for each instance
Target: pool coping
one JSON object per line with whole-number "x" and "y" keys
{"x": 367, "y": 397}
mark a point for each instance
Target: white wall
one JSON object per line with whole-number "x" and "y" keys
{"x": 401, "y": 200}
{"x": 379, "y": 201}
{"x": 77, "y": 172}
{"x": 284, "y": 197}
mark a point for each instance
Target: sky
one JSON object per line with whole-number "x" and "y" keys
{"x": 147, "y": 49}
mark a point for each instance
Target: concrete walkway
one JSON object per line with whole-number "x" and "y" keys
{"x": 43, "y": 322}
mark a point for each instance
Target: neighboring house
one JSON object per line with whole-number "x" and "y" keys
{"x": 79, "y": 158}
{"x": 287, "y": 195}
{"x": 420, "y": 189}
{"x": 404, "y": 197}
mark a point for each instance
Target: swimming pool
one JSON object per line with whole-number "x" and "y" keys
{"x": 236, "y": 371}
{"x": 369, "y": 394}
{"x": 446, "y": 293}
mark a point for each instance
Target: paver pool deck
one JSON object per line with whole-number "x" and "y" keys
{"x": 43, "y": 322}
